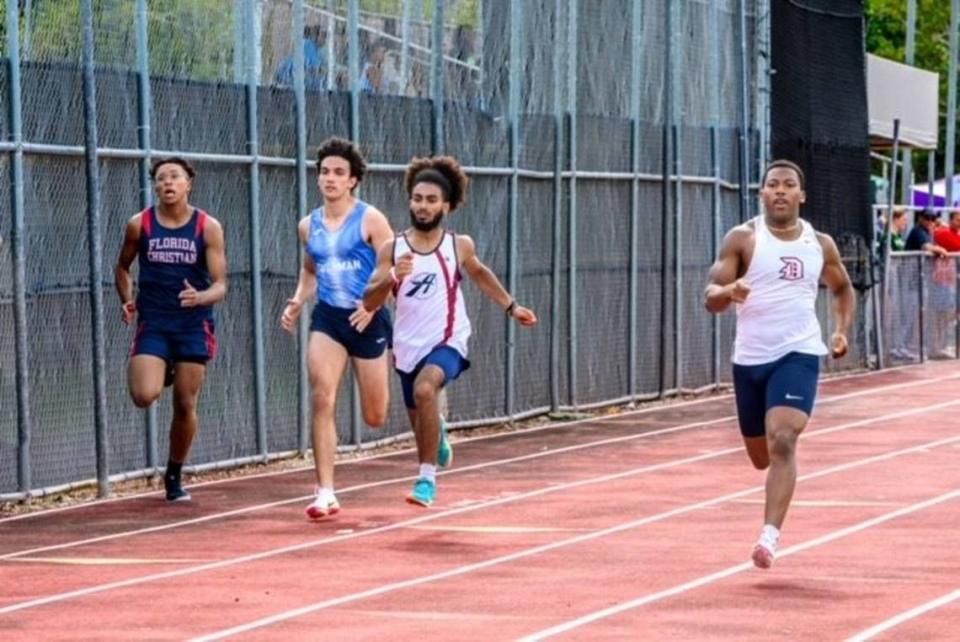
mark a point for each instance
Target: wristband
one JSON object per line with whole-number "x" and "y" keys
{"x": 510, "y": 308}
{"x": 393, "y": 275}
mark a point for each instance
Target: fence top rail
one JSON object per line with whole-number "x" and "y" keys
{"x": 280, "y": 161}
{"x": 909, "y": 253}
{"x": 879, "y": 207}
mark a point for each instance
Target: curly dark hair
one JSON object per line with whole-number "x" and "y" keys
{"x": 345, "y": 150}
{"x": 175, "y": 160}
{"x": 449, "y": 168}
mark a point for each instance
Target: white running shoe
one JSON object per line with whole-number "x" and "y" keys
{"x": 324, "y": 505}
{"x": 765, "y": 550}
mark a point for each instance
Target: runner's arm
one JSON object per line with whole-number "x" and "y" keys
{"x": 128, "y": 252}
{"x": 723, "y": 287}
{"x": 216, "y": 263}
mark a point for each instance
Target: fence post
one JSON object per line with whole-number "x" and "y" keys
{"x": 303, "y": 327}
{"x": 665, "y": 167}
{"x": 920, "y": 295}
{"x": 636, "y": 25}
{"x": 715, "y": 199}
{"x": 353, "y": 60}
{"x": 558, "y": 51}
{"x": 572, "y": 223}
{"x": 436, "y": 76}
{"x": 18, "y": 252}
{"x": 677, "y": 262}
{"x": 951, "y": 101}
{"x": 95, "y": 243}
{"x": 516, "y": 33}
{"x": 744, "y": 113}
{"x": 879, "y": 309}
{"x": 144, "y": 108}
{"x": 256, "y": 268}
{"x": 716, "y": 237}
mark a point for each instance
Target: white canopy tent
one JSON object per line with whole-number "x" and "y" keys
{"x": 900, "y": 91}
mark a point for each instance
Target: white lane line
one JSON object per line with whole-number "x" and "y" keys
{"x": 59, "y": 597}
{"x": 103, "y": 561}
{"x": 500, "y": 530}
{"x": 906, "y": 616}
{"x": 549, "y": 426}
{"x": 470, "y": 568}
{"x": 407, "y": 479}
{"x": 394, "y": 453}
{"x": 383, "y": 482}
{"x": 823, "y": 503}
{"x": 739, "y": 568}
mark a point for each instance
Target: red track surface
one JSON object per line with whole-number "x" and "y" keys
{"x": 636, "y": 526}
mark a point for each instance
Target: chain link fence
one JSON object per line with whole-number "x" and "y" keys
{"x": 604, "y": 142}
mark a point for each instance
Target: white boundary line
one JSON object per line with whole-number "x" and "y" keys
{"x": 462, "y": 570}
{"x": 739, "y": 568}
{"x": 905, "y": 616}
{"x": 60, "y": 597}
{"x": 667, "y": 405}
{"x": 409, "y": 478}
{"x": 382, "y": 482}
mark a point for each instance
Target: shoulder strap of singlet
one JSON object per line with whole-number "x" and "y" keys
{"x": 456, "y": 255}
{"x": 146, "y": 221}
{"x": 201, "y": 223}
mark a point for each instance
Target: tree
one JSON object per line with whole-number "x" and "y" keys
{"x": 187, "y": 38}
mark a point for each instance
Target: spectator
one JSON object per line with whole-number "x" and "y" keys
{"x": 314, "y": 61}
{"x": 921, "y": 236}
{"x": 897, "y": 241}
{"x": 948, "y": 237}
{"x": 919, "y": 239}
{"x": 379, "y": 76}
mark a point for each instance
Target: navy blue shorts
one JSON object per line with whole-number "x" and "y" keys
{"x": 335, "y": 323}
{"x": 445, "y": 358}
{"x": 789, "y": 381}
{"x": 196, "y": 344}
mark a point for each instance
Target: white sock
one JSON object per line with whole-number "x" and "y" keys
{"x": 325, "y": 491}
{"x": 770, "y": 533}
{"x": 429, "y": 471}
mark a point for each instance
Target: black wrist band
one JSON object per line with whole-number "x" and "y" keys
{"x": 510, "y": 308}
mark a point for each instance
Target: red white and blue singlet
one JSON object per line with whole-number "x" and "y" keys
{"x": 167, "y": 257}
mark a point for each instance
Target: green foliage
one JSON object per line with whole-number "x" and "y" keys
{"x": 886, "y": 36}
{"x": 192, "y": 38}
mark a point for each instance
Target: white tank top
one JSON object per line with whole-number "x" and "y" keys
{"x": 779, "y": 316}
{"x": 430, "y": 311}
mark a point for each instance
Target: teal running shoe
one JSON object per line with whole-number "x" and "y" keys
{"x": 445, "y": 450}
{"x": 423, "y": 493}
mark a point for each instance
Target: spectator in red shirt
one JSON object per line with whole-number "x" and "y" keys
{"x": 949, "y": 237}
{"x": 943, "y": 293}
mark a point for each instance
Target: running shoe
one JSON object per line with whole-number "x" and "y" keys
{"x": 423, "y": 493}
{"x": 765, "y": 550}
{"x": 323, "y": 505}
{"x": 175, "y": 490}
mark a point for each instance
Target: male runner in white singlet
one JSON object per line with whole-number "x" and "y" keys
{"x": 422, "y": 267}
{"x": 771, "y": 267}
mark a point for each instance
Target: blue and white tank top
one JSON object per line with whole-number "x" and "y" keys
{"x": 343, "y": 258}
